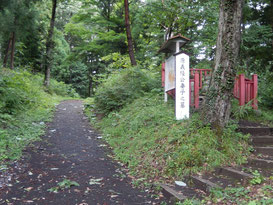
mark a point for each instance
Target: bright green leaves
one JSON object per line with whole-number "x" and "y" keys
{"x": 65, "y": 184}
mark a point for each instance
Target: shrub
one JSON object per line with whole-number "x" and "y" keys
{"x": 24, "y": 109}
{"x": 18, "y": 91}
{"x": 266, "y": 89}
{"x": 122, "y": 87}
{"x": 21, "y": 90}
{"x": 62, "y": 89}
{"x": 146, "y": 136}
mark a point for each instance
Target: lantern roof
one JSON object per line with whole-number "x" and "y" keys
{"x": 170, "y": 45}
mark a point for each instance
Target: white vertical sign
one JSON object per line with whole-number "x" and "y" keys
{"x": 182, "y": 90}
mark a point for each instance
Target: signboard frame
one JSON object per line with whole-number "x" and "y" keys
{"x": 182, "y": 86}
{"x": 177, "y": 72}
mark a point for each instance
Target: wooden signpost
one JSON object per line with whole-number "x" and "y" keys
{"x": 177, "y": 72}
{"x": 182, "y": 86}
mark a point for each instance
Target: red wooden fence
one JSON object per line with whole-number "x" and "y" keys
{"x": 245, "y": 90}
{"x": 202, "y": 72}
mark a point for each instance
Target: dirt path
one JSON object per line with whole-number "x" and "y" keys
{"x": 71, "y": 151}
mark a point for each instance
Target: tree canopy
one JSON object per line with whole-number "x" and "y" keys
{"x": 89, "y": 39}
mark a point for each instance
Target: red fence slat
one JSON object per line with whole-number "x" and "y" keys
{"x": 245, "y": 90}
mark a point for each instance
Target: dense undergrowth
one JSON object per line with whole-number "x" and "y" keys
{"x": 145, "y": 136}
{"x": 264, "y": 115}
{"x": 122, "y": 87}
{"x": 25, "y": 107}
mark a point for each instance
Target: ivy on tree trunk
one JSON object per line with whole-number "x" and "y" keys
{"x": 217, "y": 106}
{"x": 49, "y": 44}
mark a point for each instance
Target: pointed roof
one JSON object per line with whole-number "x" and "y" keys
{"x": 170, "y": 45}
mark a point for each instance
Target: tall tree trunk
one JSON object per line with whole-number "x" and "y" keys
{"x": 7, "y": 52}
{"x": 12, "y": 51}
{"x": 271, "y": 20}
{"x": 129, "y": 35}
{"x": 49, "y": 44}
{"x": 217, "y": 107}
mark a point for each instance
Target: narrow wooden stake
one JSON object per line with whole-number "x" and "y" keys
{"x": 163, "y": 74}
{"x": 242, "y": 90}
{"x": 196, "y": 90}
{"x": 200, "y": 83}
{"x": 255, "y": 91}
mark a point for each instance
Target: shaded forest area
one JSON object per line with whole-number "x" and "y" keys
{"x": 106, "y": 51}
{"x": 89, "y": 39}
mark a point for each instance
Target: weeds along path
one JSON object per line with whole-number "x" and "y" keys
{"x": 71, "y": 166}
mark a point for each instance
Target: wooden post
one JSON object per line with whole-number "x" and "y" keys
{"x": 196, "y": 90}
{"x": 242, "y": 90}
{"x": 190, "y": 92}
{"x": 235, "y": 90}
{"x": 177, "y": 49}
{"x": 248, "y": 92}
{"x": 163, "y": 74}
{"x": 255, "y": 91}
{"x": 200, "y": 83}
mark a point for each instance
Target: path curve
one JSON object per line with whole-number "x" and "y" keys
{"x": 71, "y": 150}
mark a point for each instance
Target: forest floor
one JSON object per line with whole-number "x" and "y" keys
{"x": 70, "y": 165}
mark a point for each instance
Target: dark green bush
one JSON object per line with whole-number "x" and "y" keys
{"x": 146, "y": 136}
{"x": 62, "y": 89}
{"x": 266, "y": 89}
{"x": 24, "y": 109}
{"x": 21, "y": 90}
{"x": 122, "y": 87}
{"x": 18, "y": 91}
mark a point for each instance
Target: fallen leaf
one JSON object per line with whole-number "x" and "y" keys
{"x": 29, "y": 188}
{"x": 95, "y": 181}
{"x": 77, "y": 190}
{"x": 54, "y": 169}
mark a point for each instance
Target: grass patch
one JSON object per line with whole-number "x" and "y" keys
{"x": 146, "y": 136}
{"x": 24, "y": 128}
{"x": 25, "y": 108}
{"x": 263, "y": 115}
{"x": 257, "y": 194}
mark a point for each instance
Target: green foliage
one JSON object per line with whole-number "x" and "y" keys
{"x": 266, "y": 88}
{"x": 24, "y": 109}
{"x": 18, "y": 91}
{"x": 263, "y": 115}
{"x": 122, "y": 87}
{"x": 65, "y": 184}
{"x": 73, "y": 72}
{"x": 146, "y": 136}
{"x": 62, "y": 89}
{"x": 231, "y": 194}
{"x": 117, "y": 60}
{"x": 257, "y": 178}
{"x": 241, "y": 112}
{"x": 253, "y": 194}
{"x": 189, "y": 202}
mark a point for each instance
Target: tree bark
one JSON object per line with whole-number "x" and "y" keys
{"x": 7, "y": 52}
{"x": 129, "y": 35}
{"x": 271, "y": 19}
{"x": 49, "y": 45}
{"x": 12, "y": 51}
{"x": 217, "y": 107}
